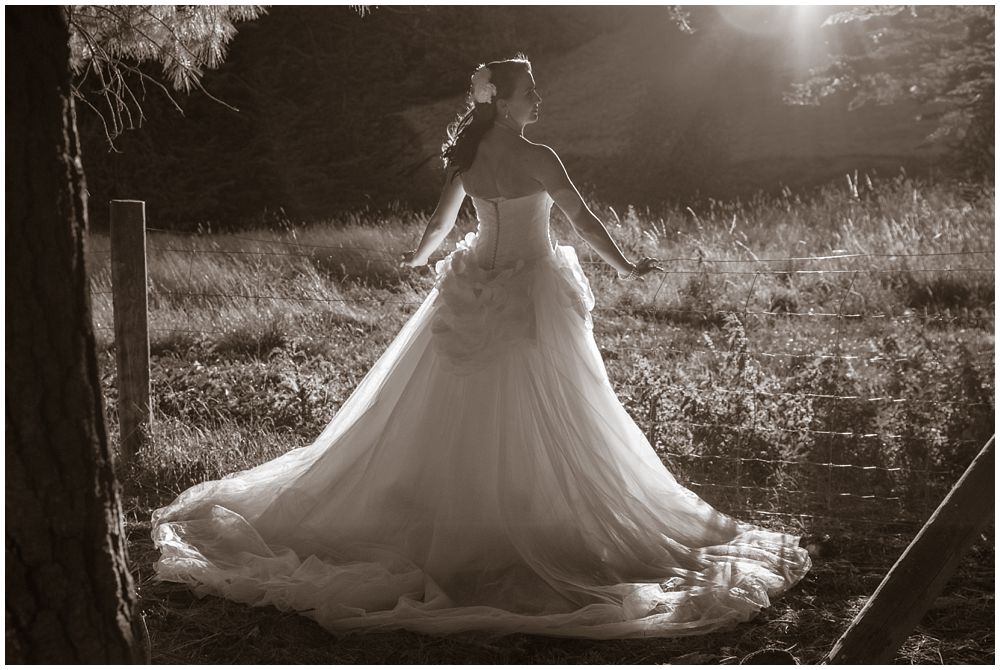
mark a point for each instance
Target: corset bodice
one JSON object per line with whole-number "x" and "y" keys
{"x": 512, "y": 229}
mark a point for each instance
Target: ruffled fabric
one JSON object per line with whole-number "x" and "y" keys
{"x": 483, "y": 314}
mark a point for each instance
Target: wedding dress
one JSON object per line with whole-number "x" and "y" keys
{"x": 483, "y": 476}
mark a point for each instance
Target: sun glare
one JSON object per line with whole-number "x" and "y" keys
{"x": 798, "y": 26}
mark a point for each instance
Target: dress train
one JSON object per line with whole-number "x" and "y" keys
{"x": 482, "y": 476}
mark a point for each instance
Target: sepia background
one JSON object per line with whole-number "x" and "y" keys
{"x": 339, "y": 110}
{"x": 817, "y": 357}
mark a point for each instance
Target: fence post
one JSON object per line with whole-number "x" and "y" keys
{"x": 128, "y": 283}
{"x": 917, "y": 578}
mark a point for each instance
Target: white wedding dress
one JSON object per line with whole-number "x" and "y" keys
{"x": 483, "y": 476}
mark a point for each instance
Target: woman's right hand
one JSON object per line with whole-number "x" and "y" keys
{"x": 409, "y": 260}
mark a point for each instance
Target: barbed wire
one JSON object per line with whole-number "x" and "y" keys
{"x": 630, "y": 310}
{"x": 809, "y": 272}
{"x": 242, "y": 252}
{"x": 829, "y": 396}
{"x": 875, "y": 358}
{"x": 837, "y": 519}
{"x": 696, "y": 259}
{"x": 700, "y": 259}
{"x": 780, "y": 461}
{"x": 296, "y": 243}
{"x": 653, "y": 310}
{"x": 360, "y": 255}
{"x": 619, "y": 351}
{"x": 624, "y": 350}
{"x": 807, "y": 431}
{"x": 734, "y": 428}
{"x": 774, "y": 489}
{"x": 714, "y": 388}
{"x": 383, "y": 254}
{"x": 646, "y": 308}
{"x": 252, "y": 296}
{"x": 680, "y": 388}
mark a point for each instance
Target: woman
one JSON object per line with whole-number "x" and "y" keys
{"x": 483, "y": 475}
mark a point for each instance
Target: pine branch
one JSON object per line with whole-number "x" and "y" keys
{"x": 114, "y": 41}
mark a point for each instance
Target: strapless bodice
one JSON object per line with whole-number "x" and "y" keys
{"x": 512, "y": 229}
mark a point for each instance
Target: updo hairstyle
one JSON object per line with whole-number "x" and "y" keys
{"x": 464, "y": 134}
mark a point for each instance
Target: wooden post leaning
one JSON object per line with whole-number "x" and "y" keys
{"x": 906, "y": 593}
{"x": 128, "y": 281}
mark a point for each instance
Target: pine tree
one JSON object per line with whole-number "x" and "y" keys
{"x": 69, "y": 593}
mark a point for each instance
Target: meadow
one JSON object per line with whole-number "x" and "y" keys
{"x": 821, "y": 362}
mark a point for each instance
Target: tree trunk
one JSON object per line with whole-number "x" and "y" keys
{"x": 70, "y": 597}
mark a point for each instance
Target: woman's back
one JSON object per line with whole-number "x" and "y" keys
{"x": 512, "y": 229}
{"x": 503, "y": 167}
{"x": 512, "y": 207}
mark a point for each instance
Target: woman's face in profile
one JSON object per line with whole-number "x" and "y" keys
{"x": 524, "y": 102}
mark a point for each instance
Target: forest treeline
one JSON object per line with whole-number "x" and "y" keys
{"x": 318, "y": 110}
{"x": 319, "y": 92}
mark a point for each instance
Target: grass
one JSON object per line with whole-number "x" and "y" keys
{"x": 840, "y": 403}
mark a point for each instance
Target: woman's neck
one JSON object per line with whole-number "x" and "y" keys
{"x": 509, "y": 129}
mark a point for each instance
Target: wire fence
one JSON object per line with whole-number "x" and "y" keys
{"x": 799, "y": 456}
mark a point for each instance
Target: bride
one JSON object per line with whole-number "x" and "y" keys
{"x": 483, "y": 475}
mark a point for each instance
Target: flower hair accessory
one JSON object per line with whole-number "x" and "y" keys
{"x": 482, "y": 90}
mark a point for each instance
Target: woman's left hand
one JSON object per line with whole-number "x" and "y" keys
{"x": 643, "y": 267}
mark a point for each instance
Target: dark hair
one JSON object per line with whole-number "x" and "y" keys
{"x": 464, "y": 134}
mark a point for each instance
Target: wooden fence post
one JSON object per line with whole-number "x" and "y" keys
{"x": 906, "y": 593}
{"x": 128, "y": 283}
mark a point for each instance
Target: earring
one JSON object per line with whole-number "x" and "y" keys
{"x": 506, "y": 114}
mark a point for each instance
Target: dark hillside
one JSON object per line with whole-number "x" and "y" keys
{"x": 339, "y": 111}
{"x": 319, "y": 92}
{"x": 647, "y": 114}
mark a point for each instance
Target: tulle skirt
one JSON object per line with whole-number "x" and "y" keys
{"x": 482, "y": 477}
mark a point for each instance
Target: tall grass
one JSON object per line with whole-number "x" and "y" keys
{"x": 716, "y": 358}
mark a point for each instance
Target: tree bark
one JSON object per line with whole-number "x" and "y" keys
{"x": 70, "y": 597}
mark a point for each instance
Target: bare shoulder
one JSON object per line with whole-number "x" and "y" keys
{"x": 543, "y": 160}
{"x": 541, "y": 152}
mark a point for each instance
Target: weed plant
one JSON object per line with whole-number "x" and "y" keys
{"x": 842, "y": 402}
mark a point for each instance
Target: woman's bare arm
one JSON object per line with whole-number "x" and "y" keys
{"x": 440, "y": 223}
{"x": 552, "y": 174}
